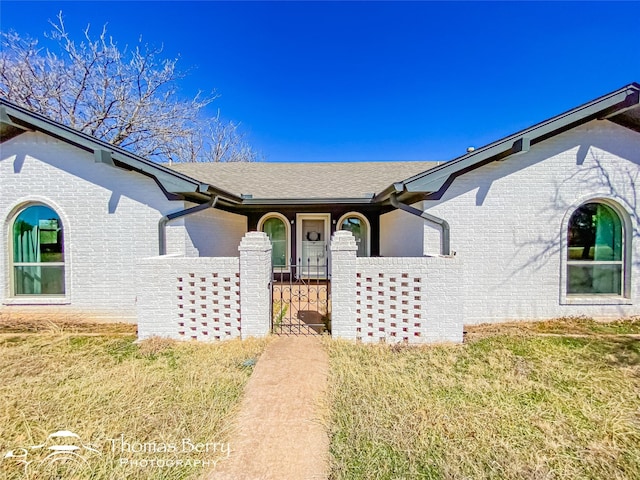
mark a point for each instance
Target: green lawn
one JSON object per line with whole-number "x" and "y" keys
{"x": 551, "y": 400}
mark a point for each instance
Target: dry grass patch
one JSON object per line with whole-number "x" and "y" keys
{"x": 107, "y": 387}
{"x": 504, "y": 406}
{"x": 24, "y": 322}
{"x": 575, "y": 326}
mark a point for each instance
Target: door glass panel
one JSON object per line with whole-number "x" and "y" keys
{"x": 314, "y": 251}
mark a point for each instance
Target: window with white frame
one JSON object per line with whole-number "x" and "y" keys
{"x": 276, "y": 226}
{"x": 595, "y": 251}
{"x": 37, "y": 252}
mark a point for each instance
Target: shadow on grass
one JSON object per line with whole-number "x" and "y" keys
{"x": 623, "y": 352}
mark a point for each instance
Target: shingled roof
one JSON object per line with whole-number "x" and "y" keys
{"x": 380, "y": 183}
{"x": 266, "y": 180}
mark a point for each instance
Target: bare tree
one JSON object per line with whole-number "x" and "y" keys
{"x": 126, "y": 97}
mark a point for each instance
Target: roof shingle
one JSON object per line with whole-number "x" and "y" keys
{"x": 303, "y": 180}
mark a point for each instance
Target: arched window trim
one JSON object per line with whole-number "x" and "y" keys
{"x": 35, "y": 299}
{"x": 365, "y": 220}
{"x": 287, "y": 227}
{"x": 627, "y": 229}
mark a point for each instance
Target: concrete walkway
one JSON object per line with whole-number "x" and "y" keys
{"x": 279, "y": 433}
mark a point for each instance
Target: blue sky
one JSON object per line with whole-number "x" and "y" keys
{"x": 341, "y": 81}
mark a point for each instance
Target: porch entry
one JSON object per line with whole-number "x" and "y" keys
{"x": 313, "y": 231}
{"x": 301, "y": 292}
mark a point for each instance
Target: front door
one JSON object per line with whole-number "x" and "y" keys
{"x": 312, "y": 237}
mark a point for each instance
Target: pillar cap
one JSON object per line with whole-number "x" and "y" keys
{"x": 343, "y": 240}
{"x": 255, "y": 241}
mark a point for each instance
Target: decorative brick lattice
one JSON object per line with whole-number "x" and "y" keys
{"x": 208, "y": 306}
{"x": 389, "y": 307}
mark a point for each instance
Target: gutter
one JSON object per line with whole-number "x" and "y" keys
{"x": 173, "y": 183}
{"x": 432, "y": 181}
{"x": 162, "y": 224}
{"x": 304, "y": 201}
{"x": 440, "y": 223}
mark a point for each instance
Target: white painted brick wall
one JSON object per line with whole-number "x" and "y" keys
{"x": 188, "y": 298}
{"x": 343, "y": 250}
{"x": 410, "y": 300}
{"x": 215, "y": 233}
{"x": 110, "y": 218}
{"x": 508, "y": 222}
{"x": 207, "y": 298}
{"x": 255, "y": 284}
{"x": 394, "y": 300}
{"x": 401, "y": 234}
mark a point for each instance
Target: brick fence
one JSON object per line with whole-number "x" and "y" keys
{"x": 401, "y": 299}
{"x": 394, "y": 299}
{"x": 207, "y": 298}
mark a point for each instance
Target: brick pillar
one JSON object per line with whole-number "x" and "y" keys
{"x": 343, "y": 285}
{"x": 255, "y": 284}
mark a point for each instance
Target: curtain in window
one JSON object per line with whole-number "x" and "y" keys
{"x": 594, "y": 261}
{"x": 27, "y": 250}
{"x": 277, "y": 233}
{"x": 26, "y": 242}
{"x": 608, "y": 235}
{"x": 38, "y": 253}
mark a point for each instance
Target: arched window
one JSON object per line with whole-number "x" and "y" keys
{"x": 358, "y": 225}
{"x": 38, "y": 252}
{"x": 276, "y": 226}
{"x": 595, "y": 251}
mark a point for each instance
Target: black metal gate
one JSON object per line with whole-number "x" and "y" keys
{"x": 301, "y": 298}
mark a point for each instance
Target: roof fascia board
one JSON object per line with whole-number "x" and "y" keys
{"x": 103, "y": 156}
{"x": 304, "y": 201}
{"x": 433, "y": 180}
{"x": 630, "y": 102}
{"x": 172, "y": 182}
{"x": 222, "y": 194}
{"x": 4, "y": 118}
{"x": 396, "y": 188}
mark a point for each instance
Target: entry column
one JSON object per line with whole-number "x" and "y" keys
{"x": 343, "y": 285}
{"x": 255, "y": 285}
